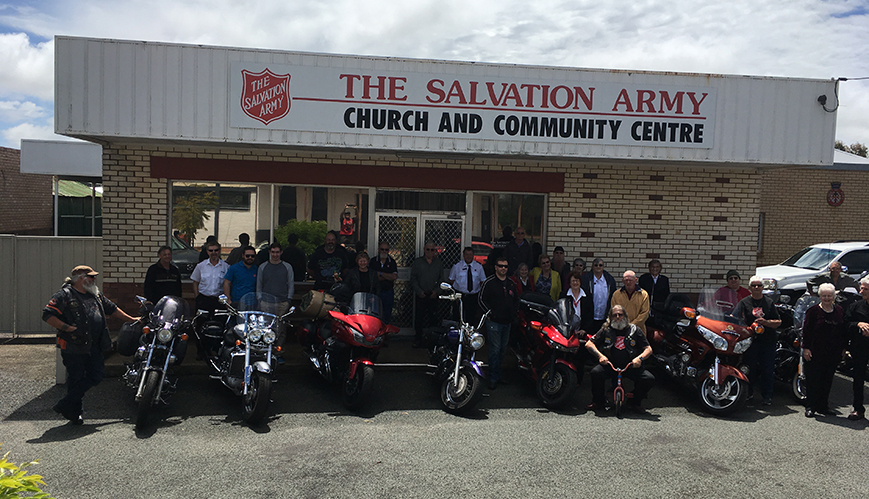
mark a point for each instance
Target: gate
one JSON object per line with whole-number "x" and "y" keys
{"x": 406, "y": 233}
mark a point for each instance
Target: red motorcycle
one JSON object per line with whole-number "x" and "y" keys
{"x": 703, "y": 347}
{"x": 348, "y": 340}
{"x": 547, "y": 347}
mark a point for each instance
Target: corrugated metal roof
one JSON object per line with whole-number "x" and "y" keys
{"x": 73, "y": 189}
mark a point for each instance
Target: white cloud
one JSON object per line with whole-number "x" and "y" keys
{"x": 17, "y": 110}
{"x": 38, "y": 130}
{"x": 28, "y": 70}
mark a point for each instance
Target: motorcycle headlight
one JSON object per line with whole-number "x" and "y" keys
{"x": 164, "y": 336}
{"x": 255, "y": 335}
{"x": 743, "y": 345}
{"x": 717, "y": 341}
{"x": 769, "y": 284}
{"x": 477, "y": 341}
{"x": 358, "y": 337}
{"x": 269, "y": 336}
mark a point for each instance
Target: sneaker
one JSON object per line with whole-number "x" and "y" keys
{"x": 810, "y": 413}
{"x": 77, "y": 421}
{"x": 856, "y": 416}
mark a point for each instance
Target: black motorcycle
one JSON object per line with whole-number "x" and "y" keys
{"x": 789, "y": 351}
{"x": 239, "y": 347}
{"x": 157, "y": 342}
{"x": 452, "y": 349}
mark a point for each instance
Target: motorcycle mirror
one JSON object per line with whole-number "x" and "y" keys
{"x": 844, "y": 269}
{"x": 445, "y": 286}
{"x": 141, "y": 299}
{"x": 222, "y": 299}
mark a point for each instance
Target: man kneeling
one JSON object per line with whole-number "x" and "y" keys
{"x": 618, "y": 344}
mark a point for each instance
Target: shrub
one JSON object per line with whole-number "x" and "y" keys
{"x": 311, "y": 234}
{"x": 15, "y": 483}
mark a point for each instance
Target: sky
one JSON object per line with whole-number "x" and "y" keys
{"x": 794, "y": 38}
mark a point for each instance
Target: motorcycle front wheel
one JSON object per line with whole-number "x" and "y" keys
{"x": 354, "y": 392}
{"x": 255, "y": 404}
{"x": 558, "y": 389}
{"x": 464, "y": 394}
{"x": 798, "y": 387}
{"x": 147, "y": 400}
{"x": 725, "y": 398}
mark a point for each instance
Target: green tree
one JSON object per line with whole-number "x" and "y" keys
{"x": 16, "y": 483}
{"x": 188, "y": 213}
{"x": 855, "y": 148}
{"x": 311, "y": 234}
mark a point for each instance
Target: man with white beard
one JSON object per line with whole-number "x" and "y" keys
{"x": 618, "y": 344}
{"x": 78, "y": 311}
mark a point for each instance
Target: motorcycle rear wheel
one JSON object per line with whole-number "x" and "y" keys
{"x": 255, "y": 405}
{"x": 147, "y": 400}
{"x": 723, "y": 399}
{"x": 559, "y": 390}
{"x": 465, "y": 394}
{"x": 798, "y": 387}
{"x": 355, "y": 392}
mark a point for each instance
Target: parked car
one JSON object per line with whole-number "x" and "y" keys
{"x": 481, "y": 251}
{"x": 184, "y": 257}
{"x": 789, "y": 277}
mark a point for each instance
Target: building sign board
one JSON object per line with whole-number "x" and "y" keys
{"x": 569, "y": 111}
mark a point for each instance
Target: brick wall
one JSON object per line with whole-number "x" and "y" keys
{"x": 25, "y": 198}
{"x": 797, "y": 213}
{"x": 699, "y": 221}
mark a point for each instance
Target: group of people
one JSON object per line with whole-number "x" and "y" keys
{"x": 614, "y": 316}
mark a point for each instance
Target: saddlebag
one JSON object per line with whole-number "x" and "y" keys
{"x": 128, "y": 338}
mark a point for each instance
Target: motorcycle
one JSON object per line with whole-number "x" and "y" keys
{"x": 452, "y": 351}
{"x": 244, "y": 358}
{"x": 789, "y": 351}
{"x": 547, "y": 347}
{"x": 159, "y": 344}
{"x": 345, "y": 343}
{"x": 703, "y": 347}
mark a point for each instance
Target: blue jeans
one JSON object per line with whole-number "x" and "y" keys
{"x": 387, "y": 299}
{"x": 498, "y": 337}
{"x": 760, "y": 358}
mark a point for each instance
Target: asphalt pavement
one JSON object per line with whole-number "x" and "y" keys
{"x": 403, "y": 445}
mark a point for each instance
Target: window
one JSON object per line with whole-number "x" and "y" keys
{"x": 857, "y": 262}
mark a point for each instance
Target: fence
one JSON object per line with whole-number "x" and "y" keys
{"x": 34, "y": 269}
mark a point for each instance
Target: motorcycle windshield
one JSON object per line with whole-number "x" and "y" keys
{"x": 365, "y": 304}
{"x": 170, "y": 309}
{"x": 717, "y": 303}
{"x": 258, "y": 310}
{"x": 804, "y": 303}
{"x": 561, "y": 316}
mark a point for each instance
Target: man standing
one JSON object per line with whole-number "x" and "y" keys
{"x": 467, "y": 277}
{"x": 760, "y": 357}
{"x": 387, "y": 273}
{"x": 78, "y": 311}
{"x": 499, "y": 297}
{"x": 857, "y": 320}
{"x": 235, "y": 255}
{"x": 208, "y": 277}
{"x": 834, "y": 276}
{"x": 517, "y": 251}
{"x": 657, "y": 286}
{"x": 295, "y": 256}
{"x": 633, "y": 299}
{"x": 600, "y": 286}
{"x": 240, "y": 279}
{"x": 163, "y": 278}
{"x": 619, "y": 345}
{"x": 729, "y": 295}
{"x": 561, "y": 266}
{"x": 426, "y": 274}
{"x": 327, "y": 261}
{"x": 275, "y": 277}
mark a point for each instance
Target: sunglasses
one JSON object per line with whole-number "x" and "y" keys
{"x": 733, "y": 278}
{"x": 214, "y": 251}
{"x": 501, "y": 266}
{"x": 249, "y": 256}
{"x": 618, "y": 314}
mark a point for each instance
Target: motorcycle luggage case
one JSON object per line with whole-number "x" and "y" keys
{"x": 317, "y": 304}
{"x": 128, "y": 338}
{"x": 536, "y": 304}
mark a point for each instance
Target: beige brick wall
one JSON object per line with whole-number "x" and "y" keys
{"x": 797, "y": 213}
{"x": 699, "y": 221}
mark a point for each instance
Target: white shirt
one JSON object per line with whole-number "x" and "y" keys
{"x": 459, "y": 277}
{"x": 210, "y": 277}
{"x": 600, "y": 295}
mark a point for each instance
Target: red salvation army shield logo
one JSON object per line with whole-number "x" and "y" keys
{"x": 265, "y": 96}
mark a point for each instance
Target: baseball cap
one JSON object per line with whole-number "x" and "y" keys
{"x": 83, "y": 269}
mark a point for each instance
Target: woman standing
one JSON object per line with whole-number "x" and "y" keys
{"x": 522, "y": 279}
{"x": 824, "y": 339}
{"x": 545, "y": 279}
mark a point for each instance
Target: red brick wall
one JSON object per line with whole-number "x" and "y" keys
{"x": 25, "y": 198}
